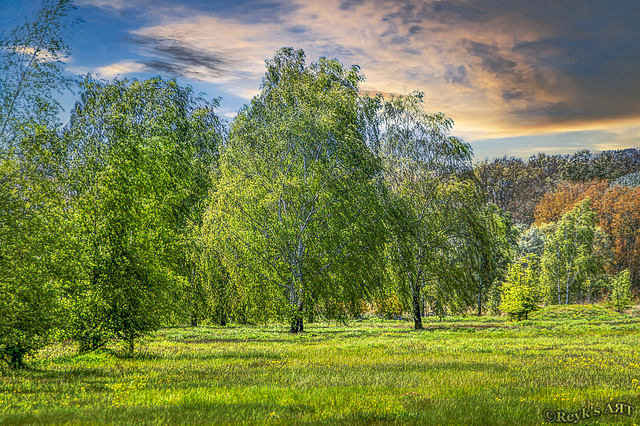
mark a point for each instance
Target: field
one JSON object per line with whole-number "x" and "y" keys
{"x": 565, "y": 363}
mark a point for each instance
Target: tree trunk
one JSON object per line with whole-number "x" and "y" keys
{"x": 297, "y": 325}
{"x": 223, "y": 317}
{"x": 479, "y": 303}
{"x": 417, "y": 317}
{"x": 194, "y": 319}
{"x": 17, "y": 357}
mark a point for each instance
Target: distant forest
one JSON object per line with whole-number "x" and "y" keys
{"x": 519, "y": 186}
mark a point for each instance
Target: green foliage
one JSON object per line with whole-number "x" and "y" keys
{"x": 447, "y": 243}
{"x": 34, "y": 249}
{"x": 296, "y": 204}
{"x": 32, "y": 253}
{"x": 142, "y": 152}
{"x": 620, "y": 297}
{"x": 214, "y": 296}
{"x": 531, "y": 241}
{"x": 388, "y": 302}
{"x": 520, "y": 292}
{"x": 85, "y": 319}
{"x": 31, "y": 69}
{"x": 568, "y": 259}
{"x": 488, "y": 245}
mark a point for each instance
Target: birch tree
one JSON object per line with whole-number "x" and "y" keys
{"x": 140, "y": 166}
{"x": 297, "y": 203}
{"x": 421, "y": 162}
{"x": 568, "y": 258}
{"x": 34, "y": 256}
{"x": 31, "y": 70}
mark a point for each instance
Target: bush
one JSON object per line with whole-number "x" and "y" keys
{"x": 28, "y": 312}
{"x": 520, "y": 292}
{"x": 619, "y": 298}
{"x": 86, "y": 323}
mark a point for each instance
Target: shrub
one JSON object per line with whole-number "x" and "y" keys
{"x": 520, "y": 292}
{"x": 619, "y": 298}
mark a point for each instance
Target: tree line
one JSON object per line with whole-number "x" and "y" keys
{"x": 316, "y": 202}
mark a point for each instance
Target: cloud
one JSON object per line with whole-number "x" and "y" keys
{"x": 121, "y": 68}
{"x": 116, "y": 5}
{"x": 348, "y": 4}
{"x": 177, "y": 58}
{"x": 558, "y": 142}
{"x": 490, "y": 56}
{"x": 512, "y": 95}
{"x": 209, "y": 49}
{"x": 499, "y": 68}
{"x": 298, "y": 29}
{"x": 456, "y": 75}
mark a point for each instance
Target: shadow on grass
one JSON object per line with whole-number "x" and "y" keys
{"x": 59, "y": 375}
{"x": 319, "y": 332}
{"x": 469, "y": 327}
{"x": 191, "y": 414}
{"x": 203, "y": 356}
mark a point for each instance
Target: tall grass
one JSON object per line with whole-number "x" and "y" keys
{"x": 468, "y": 371}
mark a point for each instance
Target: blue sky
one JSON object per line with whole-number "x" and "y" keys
{"x": 517, "y": 77}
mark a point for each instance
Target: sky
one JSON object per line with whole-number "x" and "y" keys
{"x": 517, "y": 77}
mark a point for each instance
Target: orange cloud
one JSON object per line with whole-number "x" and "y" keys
{"x": 508, "y": 70}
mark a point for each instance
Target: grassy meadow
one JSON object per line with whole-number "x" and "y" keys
{"x": 564, "y": 363}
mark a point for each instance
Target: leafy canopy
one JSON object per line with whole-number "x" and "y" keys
{"x": 296, "y": 203}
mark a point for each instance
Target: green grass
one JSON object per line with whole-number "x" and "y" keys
{"x": 465, "y": 370}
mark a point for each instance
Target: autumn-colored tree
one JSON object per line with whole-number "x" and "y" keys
{"x": 554, "y": 205}
{"x": 617, "y": 210}
{"x": 516, "y": 186}
{"x": 619, "y": 215}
